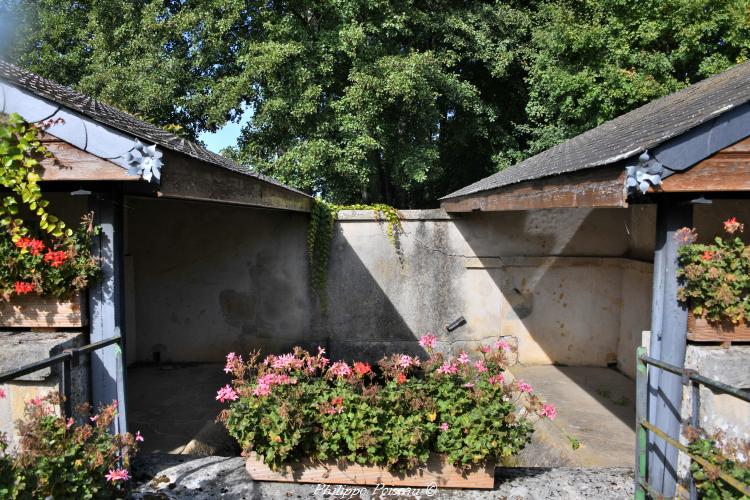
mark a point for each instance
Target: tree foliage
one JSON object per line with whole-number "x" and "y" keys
{"x": 395, "y": 101}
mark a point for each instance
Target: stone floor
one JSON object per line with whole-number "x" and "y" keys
{"x": 159, "y": 476}
{"x": 595, "y": 408}
{"x": 171, "y": 403}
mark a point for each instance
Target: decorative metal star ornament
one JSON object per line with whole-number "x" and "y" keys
{"x": 145, "y": 161}
{"x": 646, "y": 173}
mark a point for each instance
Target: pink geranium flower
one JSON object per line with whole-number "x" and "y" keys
{"x": 501, "y": 344}
{"x": 468, "y": 385}
{"x": 406, "y": 361}
{"x": 2, "y": 393}
{"x": 115, "y": 475}
{"x": 548, "y": 411}
{"x": 448, "y": 368}
{"x": 497, "y": 379}
{"x": 138, "y": 437}
{"x": 484, "y": 348}
{"x": 444, "y": 426}
{"x": 463, "y": 358}
{"x": 480, "y": 366}
{"x": 340, "y": 369}
{"x": 524, "y": 387}
{"x": 226, "y": 393}
{"x": 69, "y": 423}
{"x": 428, "y": 341}
{"x": 232, "y": 361}
{"x": 36, "y": 401}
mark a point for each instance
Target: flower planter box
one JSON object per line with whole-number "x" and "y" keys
{"x": 437, "y": 472}
{"x": 700, "y": 330}
{"x": 33, "y": 311}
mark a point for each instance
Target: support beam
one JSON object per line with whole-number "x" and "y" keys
{"x": 593, "y": 188}
{"x": 668, "y": 342}
{"x": 106, "y": 305}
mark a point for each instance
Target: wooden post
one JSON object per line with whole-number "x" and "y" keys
{"x": 106, "y": 306}
{"x": 668, "y": 343}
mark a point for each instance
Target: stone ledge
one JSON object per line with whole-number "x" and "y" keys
{"x": 21, "y": 348}
{"x": 728, "y": 365}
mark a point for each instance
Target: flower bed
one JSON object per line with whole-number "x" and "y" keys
{"x": 62, "y": 458}
{"x": 302, "y": 407}
{"x": 716, "y": 283}
{"x": 45, "y": 260}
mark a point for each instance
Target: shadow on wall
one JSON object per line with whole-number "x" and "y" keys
{"x": 562, "y": 285}
{"x": 209, "y": 279}
{"x": 361, "y": 320}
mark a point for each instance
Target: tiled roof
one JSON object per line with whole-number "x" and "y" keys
{"x": 630, "y": 134}
{"x": 120, "y": 120}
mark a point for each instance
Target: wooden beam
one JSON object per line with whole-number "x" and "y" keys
{"x": 106, "y": 305}
{"x": 69, "y": 163}
{"x": 188, "y": 179}
{"x": 725, "y": 170}
{"x": 594, "y": 188}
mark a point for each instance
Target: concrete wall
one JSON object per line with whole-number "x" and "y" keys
{"x": 556, "y": 279}
{"x": 205, "y": 279}
{"x": 209, "y": 278}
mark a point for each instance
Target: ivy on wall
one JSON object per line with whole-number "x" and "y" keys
{"x": 38, "y": 253}
{"x": 320, "y": 233}
{"x": 20, "y": 150}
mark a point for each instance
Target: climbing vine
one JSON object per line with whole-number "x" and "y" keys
{"x": 47, "y": 258}
{"x": 20, "y": 150}
{"x": 320, "y": 232}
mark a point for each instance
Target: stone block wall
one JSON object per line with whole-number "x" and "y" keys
{"x": 19, "y": 348}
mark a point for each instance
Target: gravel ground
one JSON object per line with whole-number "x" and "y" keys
{"x": 159, "y": 476}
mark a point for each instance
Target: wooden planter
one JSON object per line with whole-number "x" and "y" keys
{"x": 700, "y": 330}
{"x": 436, "y": 473}
{"x": 33, "y": 311}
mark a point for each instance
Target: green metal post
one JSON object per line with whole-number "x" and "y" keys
{"x": 641, "y": 434}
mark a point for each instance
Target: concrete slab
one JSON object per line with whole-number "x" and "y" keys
{"x": 595, "y": 408}
{"x": 171, "y": 477}
{"x": 171, "y": 403}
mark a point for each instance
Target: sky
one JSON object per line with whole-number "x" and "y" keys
{"x": 226, "y": 136}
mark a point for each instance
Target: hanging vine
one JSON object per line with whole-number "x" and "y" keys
{"x": 46, "y": 258}
{"x": 320, "y": 233}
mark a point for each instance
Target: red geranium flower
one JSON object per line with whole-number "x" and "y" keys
{"x": 55, "y": 259}
{"x": 731, "y": 226}
{"x": 708, "y": 255}
{"x": 362, "y": 369}
{"x": 22, "y": 287}
{"x": 401, "y": 378}
{"x": 35, "y": 247}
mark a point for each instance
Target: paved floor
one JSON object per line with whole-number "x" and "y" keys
{"x": 172, "y": 476}
{"x": 171, "y": 403}
{"x": 595, "y": 408}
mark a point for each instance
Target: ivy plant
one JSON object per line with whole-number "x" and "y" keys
{"x": 320, "y": 233}
{"x": 38, "y": 252}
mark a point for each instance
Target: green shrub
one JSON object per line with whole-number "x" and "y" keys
{"x": 716, "y": 276}
{"x": 730, "y": 457}
{"x": 297, "y": 406}
{"x": 59, "y": 458}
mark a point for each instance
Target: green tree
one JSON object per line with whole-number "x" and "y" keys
{"x": 395, "y": 101}
{"x": 365, "y": 100}
{"x": 593, "y": 60}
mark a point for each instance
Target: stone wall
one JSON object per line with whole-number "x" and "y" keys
{"x": 19, "y": 348}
